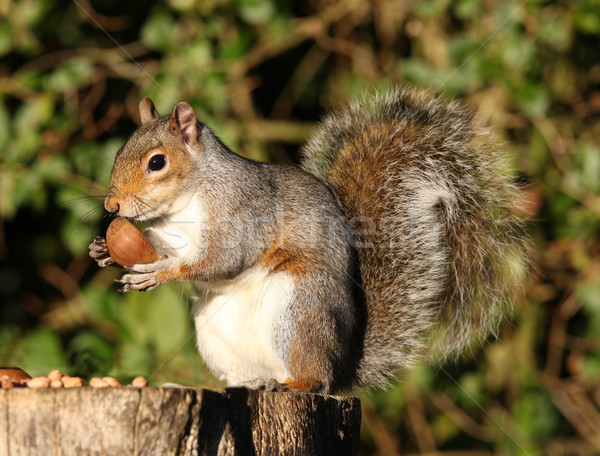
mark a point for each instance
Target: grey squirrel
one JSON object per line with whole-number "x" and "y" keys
{"x": 397, "y": 238}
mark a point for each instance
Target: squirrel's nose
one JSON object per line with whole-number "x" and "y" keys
{"x": 111, "y": 203}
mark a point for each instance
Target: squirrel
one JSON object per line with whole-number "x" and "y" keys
{"x": 396, "y": 240}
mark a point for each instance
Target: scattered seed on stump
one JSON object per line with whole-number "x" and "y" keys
{"x": 139, "y": 382}
{"x": 113, "y": 382}
{"x": 72, "y": 382}
{"x": 15, "y": 377}
{"x": 96, "y": 382}
{"x": 38, "y": 382}
{"x": 55, "y": 375}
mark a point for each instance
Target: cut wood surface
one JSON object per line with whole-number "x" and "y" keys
{"x": 181, "y": 421}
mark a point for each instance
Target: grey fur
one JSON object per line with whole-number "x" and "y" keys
{"x": 458, "y": 250}
{"x": 403, "y": 228}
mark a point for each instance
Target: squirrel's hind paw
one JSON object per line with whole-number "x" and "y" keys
{"x": 262, "y": 384}
{"x": 270, "y": 384}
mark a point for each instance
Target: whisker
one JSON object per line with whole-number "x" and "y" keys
{"x": 109, "y": 216}
{"x": 82, "y": 220}
{"x": 139, "y": 213}
{"x": 144, "y": 209}
{"x": 85, "y": 215}
{"x": 68, "y": 203}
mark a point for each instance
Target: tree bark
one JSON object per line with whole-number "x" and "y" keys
{"x": 179, "y": 421}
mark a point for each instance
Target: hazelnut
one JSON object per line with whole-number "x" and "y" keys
{"x": 139, "y": 382}
{"x": 14, "y": 373}
{"x": 72, "y": 382}
{"x": 38, "y": 382}
{"x": 97, "y": 382}
{"x": 111, "y": 381}
{"x": 127, "y": 245}
{"x": 55, "y": 375}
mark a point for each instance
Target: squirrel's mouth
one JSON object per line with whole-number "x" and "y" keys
{"x": 146, "y": 218}
{"x": 133, "y": 208}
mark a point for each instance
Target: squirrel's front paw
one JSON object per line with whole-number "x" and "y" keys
{"x": 139, "y": 282}
{"x": 145, "y": 278}
{"x": 99, "y": 252}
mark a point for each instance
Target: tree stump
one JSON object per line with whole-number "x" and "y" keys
{"x": 181, "y": 421}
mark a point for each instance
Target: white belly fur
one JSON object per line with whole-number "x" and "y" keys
{"x": 234, "y": 325}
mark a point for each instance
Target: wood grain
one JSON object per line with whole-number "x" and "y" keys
{"x": 182, "y": 421}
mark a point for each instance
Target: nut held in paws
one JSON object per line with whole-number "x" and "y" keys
{"x": 127, "y": 245}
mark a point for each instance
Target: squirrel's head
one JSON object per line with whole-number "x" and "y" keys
{"x": 153, "y": 172}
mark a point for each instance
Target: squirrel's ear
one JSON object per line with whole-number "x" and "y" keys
{"x": 147, "y": 110}
{"x": 183, "y": 121}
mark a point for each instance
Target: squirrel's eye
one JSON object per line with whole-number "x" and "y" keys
{"x": 157, "y": 162}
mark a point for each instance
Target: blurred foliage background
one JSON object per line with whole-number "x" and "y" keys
{"x": 261, "y": 73}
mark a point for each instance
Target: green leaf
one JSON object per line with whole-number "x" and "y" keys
{"x": 183, "y": 6}
{"x": 77, "y": 232}
{"x": 535, "y": 414}
{"x": 135, "y": 358}
{"x": 158, "y": 31}
{"x": 422, "y": 377}
{"x": 467, "y": 9}
{"x": 95, "y": 160}
{"x": 556, "y": 33}
{"x": 32, "y": 114}
{"x": 588, "y": 294}
{"x": 591, "y": 367}
{"x": 6, "y": 38}
{"x": 8, "y": 334}
{"x": 256, "y": 12}
{"x": 4, "y": 126}
{"x": 102, "y": 302}
{"x": 198, "y": 55}
{"x": 533, "y": 99}
{"x": 8, "y": 205}
{"x": 91, "y": 353}
{"x": 586, "y": 16}
{"x": 71, "y": 75}
{"x": 53, "y": 168}
{"x": 587, "y": 176}
{"x": 431, "y": 8}
{"x": 81, "y": 206}
{"x": 450, "y": 82}
{"x": 158, "y": 319}
{"x": 40, "y": 352}
{"x": 418, "y": 71}
{"x": 29, "y": 189}
{"x": 470, "y": 394}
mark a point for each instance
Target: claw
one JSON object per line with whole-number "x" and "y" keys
{"x": 99, "y": 252}
{"x": 139, "y": 282}
{"x": 268, "y": 384}
{"x": 106, "y": 262}
{"x": 143, "y": 277}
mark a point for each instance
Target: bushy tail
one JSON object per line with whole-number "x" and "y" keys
{"x": 440, "y": 248}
